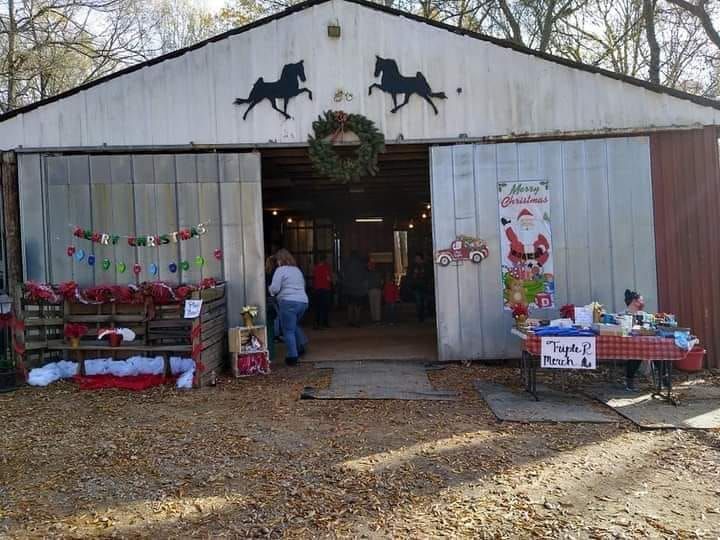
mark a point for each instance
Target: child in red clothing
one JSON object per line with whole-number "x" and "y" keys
{"x": 391, "y": 296}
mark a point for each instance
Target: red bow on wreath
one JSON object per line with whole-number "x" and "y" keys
{"x": 341, "y": 118}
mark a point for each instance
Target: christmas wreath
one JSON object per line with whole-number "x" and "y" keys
{"x": 328, "y": 128}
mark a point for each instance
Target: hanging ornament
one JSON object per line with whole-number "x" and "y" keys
{"x": 172, "y": 267}
{"x": 80, "y": 254}
{"x": 106, "y": 264}
{"x": 70, "y": 251}
{"x": 153, "y": 269}
{"x": 185, "y": 266}
{"x": 91, "y": 260}
{"x": 121, "y": 267}
{"x": 200, "y": 260}
{"x": 137, "y": 269}
{"x": 218, "y": 253}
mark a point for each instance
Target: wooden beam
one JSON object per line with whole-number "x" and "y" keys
{"x": 11, "y": 220}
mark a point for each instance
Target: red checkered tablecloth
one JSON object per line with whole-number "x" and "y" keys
{"x": 624, "y": 348}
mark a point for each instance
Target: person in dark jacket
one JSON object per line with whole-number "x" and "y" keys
{"x": 420, "y": 284}
{"x": 634, "y": 303}
{"x": 355, "y": 287}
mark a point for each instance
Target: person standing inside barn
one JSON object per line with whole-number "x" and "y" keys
{"x": 322, "y": 287}
{"x": 421, "y": 285}
{"x": 288, "y": 287}
{"x": 355, "y": 287}
{"x": 374, "y": 293}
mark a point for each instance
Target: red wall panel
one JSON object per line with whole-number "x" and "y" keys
{"x": 686, "y": 193}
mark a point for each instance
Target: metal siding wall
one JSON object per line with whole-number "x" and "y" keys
{"x": 686, "y": 188}
{"x": 602, "y": 226}
{"x": 190, "y": 97}
{"x": 32, "y": 217}
{"x": 145, "y": 194}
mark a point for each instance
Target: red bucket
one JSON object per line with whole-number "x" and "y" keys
{"x": 693, "y": 361}
{"x": 115, "y": 339}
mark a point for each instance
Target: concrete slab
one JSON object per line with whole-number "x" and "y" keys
{"x": 698, "y": 406}
{"x": 378, "y": 380}
{"x": 519, "y": 406}
{"x": 405, "y": 341}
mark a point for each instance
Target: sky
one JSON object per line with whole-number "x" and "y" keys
{"x": 212, "y": 5}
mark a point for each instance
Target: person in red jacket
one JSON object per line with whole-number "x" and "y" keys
{"x": 391, "y": 296}
{"x": 322, "y": 286}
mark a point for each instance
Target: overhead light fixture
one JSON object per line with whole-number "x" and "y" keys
{"x": 274, "y": 212}
{"x": 289, "y": 220}
{"x": 411, "y": 226}
{"x": 424, "y": 215}
{"x": 369, "y": 220}
{"x": 428, "y": 206}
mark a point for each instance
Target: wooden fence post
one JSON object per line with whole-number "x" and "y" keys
{"x": 11, "y": 215}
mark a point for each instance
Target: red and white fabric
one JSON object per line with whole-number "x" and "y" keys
{"x": 624, "y": 348}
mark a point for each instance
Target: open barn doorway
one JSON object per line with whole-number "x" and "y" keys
{"x": 378, "y": 227}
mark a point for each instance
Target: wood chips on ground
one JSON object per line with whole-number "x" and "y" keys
{"x": 247, "y": 458}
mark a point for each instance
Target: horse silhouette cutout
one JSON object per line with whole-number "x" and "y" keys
{"x": 394, "y": 84}
{"x": 286, "y": 88}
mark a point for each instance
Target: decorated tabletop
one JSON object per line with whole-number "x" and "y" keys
{"x": 619, "y": 347}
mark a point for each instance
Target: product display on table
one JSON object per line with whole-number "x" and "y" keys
{"x": 633, "y": 337}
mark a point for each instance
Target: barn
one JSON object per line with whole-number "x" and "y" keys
{"x": 598, "y": 181}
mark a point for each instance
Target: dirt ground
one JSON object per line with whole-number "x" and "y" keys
{"x": 248, "y": 459}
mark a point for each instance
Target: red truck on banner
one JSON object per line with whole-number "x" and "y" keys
{"x": 463, "y": 248}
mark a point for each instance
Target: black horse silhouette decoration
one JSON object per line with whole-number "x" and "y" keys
{"x": 286, "y": 88}
{"x": 394, "y": 83}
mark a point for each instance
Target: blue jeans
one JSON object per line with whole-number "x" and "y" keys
{"x": 290, "y": 315}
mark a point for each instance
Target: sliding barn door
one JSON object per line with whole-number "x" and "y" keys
{"x": 146, "y": 194}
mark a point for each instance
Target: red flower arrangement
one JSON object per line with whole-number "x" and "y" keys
{"x": 568, "y": 312}
{"x": 159, "y": 291}
{"x": 68, "y": 290}
{"x": 41, "y": 292}
{"x": 75, "y": 330}
{"x": 520, "y": 310}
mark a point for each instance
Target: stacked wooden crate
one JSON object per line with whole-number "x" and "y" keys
{"x": 37, "y": 324}
{"x": 205, "y": 335}
{"x": 161, "y": 330}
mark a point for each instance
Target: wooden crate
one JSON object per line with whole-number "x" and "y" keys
{"x": 249, "y": 364}
{"x": 43, "y": 324}
{"x": 241, "y": 334}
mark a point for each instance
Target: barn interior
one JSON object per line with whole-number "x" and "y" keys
{"x": 386, "y": 219}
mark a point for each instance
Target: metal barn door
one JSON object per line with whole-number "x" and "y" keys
{"x": 601, "y": 214}
{"x": 145, "y": 194}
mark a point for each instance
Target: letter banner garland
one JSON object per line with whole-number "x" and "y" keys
{"x": 151, "y": 240}
{"x": 526, "y": 244}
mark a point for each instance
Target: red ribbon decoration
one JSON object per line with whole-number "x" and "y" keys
{"x": 341, "y": 118}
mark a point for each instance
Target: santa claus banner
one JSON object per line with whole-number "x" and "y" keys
{"x": 526, "y": 244}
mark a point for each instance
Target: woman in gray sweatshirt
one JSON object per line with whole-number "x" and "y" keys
{"x": 288, "y": 287}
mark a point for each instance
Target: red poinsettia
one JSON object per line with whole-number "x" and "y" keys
{"x": 99, "y": 293}
{"x": 183, "y": 291}
{"x": 37, "y": 292}
{"x": 519, "y": 310}
{"x": 68, "y": 290}
{"x": 568, "y": 312}
{"x": 75, "y": 330}
{"x": 207, "y": 283}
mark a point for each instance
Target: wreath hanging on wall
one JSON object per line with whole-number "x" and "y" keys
{"x": 330, "y": 127}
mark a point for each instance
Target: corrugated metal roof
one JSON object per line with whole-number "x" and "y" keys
{"x": 378, "y": 7}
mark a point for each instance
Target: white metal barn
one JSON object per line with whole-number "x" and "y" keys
{"x": 163, "y": 144}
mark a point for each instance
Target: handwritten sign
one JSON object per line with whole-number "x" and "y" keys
{"x": 192, "y": 308}
{"x": 568, "y": 353}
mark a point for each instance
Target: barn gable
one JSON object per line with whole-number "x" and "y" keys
{"x": 492, "y": 88}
